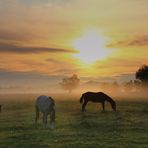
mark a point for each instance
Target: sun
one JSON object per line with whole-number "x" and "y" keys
{"x": 91, "y": 47}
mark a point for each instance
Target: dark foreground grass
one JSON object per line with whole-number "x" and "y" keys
{"x": 126, "y": 128}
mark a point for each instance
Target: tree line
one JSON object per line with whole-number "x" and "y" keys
{"x": 138, "y": 85}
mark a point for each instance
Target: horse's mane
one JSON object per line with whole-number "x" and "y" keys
{"x": 52, "y": 100}
{"x": 107, "y": 97}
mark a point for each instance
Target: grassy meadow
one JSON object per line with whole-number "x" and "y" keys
{"x": 126, "y": 128}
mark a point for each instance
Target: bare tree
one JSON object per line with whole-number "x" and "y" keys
{"x": 70, "y": 83}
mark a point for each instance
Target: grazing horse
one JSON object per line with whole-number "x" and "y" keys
{"x": 45, "y": 105}
{"x": 96, "y": 97}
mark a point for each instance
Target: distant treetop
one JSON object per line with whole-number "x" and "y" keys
{"x": 142, "y": 74}
{"x": 70, "y": 83}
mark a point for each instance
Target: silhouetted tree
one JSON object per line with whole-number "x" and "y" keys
{"x": 142, "y": 74}
{"x": 70, "y": 83}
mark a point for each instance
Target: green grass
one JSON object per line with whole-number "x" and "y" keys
{"x": 126, "y": 128}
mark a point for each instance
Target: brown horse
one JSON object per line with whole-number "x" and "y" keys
{"x": 96, "y": 97}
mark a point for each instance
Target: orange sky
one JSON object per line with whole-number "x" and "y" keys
{"x": 38, "y": 36}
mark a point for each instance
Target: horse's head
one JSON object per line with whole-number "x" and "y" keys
{"x": 52, "y": 124}
{"x": 113, "y": 105}
{"x": 52, "y": 119}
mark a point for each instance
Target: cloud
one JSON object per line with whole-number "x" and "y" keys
{"x": 120, "y": 64}
{"x": 41, "y": 2}
{"x": 10, "y": 35}
{"x": 34, "y": 2}
{"x": 138, "y": 41}
{"x": 4, "y": 47}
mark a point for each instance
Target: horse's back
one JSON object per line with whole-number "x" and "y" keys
{"x": 44, "y": 103}
{"x": 95, "y": 96}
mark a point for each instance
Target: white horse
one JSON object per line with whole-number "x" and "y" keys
{"x": 45, "y": 105}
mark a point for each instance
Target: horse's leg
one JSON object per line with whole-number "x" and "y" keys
{"x": 52, "y": 115}
{"x": 36, "y": 116}
{"x": 44, "y": 120}
{"x": 83, "y": 106}
{"x": 52, "y": 119}
{"x": 103, "y": 106}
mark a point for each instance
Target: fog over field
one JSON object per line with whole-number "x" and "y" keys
{"x": 31, "y": 82}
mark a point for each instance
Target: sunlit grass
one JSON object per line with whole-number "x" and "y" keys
{"x": 125, "y": 128}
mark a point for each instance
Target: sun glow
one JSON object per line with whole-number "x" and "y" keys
{"x": 91, "y": 47}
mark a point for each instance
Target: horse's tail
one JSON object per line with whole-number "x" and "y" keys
{"x": 81, "y": 99}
